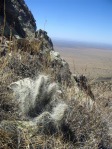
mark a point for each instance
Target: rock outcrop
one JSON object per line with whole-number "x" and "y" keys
{"x": 16, "y": 19}
{"x": 42, "y": 35}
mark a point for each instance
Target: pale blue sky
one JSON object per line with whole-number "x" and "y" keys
{"x": 78, "y": 20}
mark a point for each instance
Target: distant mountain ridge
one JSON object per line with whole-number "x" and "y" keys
{"x": 79, "y": 44}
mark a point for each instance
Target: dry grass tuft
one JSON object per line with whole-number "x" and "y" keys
{"x": 32, "y": 47}
{"x": 85, "y": 128}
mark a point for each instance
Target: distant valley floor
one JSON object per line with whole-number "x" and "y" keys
{"x": 92, "y": 62}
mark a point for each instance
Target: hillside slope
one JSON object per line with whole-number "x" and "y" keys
{"x": 42, "y": 104}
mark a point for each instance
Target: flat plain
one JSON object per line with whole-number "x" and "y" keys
{"x": 92, "y": 62}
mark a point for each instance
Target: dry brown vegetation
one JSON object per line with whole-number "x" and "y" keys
{"x": 81, "y": 128}
{"x": 31, "y": 47}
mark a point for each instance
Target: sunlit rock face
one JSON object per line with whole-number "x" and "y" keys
{"x": 19, "y": 19}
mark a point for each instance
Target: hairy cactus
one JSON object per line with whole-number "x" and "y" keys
{"x": 49, "y": 123}
{"x": 37, "y": 101}
{"x": 58, "y": 111}
{"x": 33, "y": 95}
